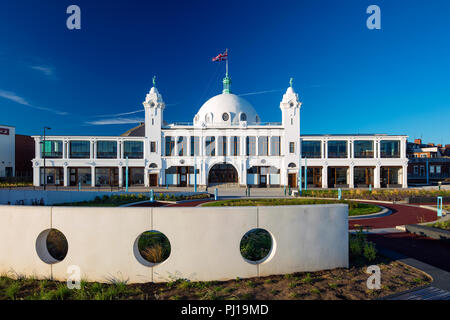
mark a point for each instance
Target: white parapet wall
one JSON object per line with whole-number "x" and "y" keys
{"x": 205, "y": 241}
{"x": 50, "y": 197}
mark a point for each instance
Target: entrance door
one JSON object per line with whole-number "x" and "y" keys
{"x": 153, "y": 179}
{"x": 263, "y": 180}
{"x": 292, "y": 180}
{"x": 183, "y": 177}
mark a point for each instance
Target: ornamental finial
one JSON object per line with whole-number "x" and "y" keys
{"x": 154, "y": 81}
{"x": 290, "y": 82}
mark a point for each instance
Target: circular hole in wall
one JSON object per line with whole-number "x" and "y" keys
{"x": 256, "y": 245}
{"x": 51, "y": 246}
{"x": 151, "y": 248}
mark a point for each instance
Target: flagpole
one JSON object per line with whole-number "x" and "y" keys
{"x": 227, "y": 62}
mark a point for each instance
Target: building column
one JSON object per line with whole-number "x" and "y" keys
{"x": 95, "y": 150}
{"x": 325, "y": 177}
{"x": 325, "y": 143}
{"x": 402, "y": 148}
{"x": 188, "y": 145}
{"x": 350, "y": 149}
{"x": 121, "y": 176}
{"x": 146, "y": 180}
{"x": 66, "y": 175}
{"x": 351, "y": 175}
{"x": 405, "y": 176}
{"x": 376, "y": 177}
{"x": 119, "y": 149}
{"x": 36, "y": 176}
{"x": 93, "y": 175}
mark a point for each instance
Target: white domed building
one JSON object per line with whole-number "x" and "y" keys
{"x": 226, "y": 144}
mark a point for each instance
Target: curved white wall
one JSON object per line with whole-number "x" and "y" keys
{"x": 204, "y": 241}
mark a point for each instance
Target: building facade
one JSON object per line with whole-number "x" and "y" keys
{"x": 225, "y": 144}
{"x": 428, "y": 163}
{"x": 7, "y": 151}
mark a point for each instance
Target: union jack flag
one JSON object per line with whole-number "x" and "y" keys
{"x": 222, "y": 56}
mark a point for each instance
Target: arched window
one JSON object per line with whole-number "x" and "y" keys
{"x": 243, "y": 117}
{"x": 291, "y": 165}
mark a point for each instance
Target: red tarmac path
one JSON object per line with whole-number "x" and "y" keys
{"x": 401, "y": 215}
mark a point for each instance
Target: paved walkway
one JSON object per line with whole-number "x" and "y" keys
{"x": 430, "y": 251}
{"x": 401, "y": 215}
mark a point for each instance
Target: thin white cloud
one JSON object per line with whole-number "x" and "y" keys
{"x": 46, "y": 70}
{"x": 13, "y": 97}
{"x": 18, "y": 99}
{"x": 258, "y": 92}
{"x": 118, "y": 114}
{"x": 103, "y": 122}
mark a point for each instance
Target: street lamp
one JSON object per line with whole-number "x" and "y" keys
{"x": 43, "y": 149}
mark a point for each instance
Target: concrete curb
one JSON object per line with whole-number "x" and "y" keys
{"x": 440, "y": 278}
{"x": 429, "y": 232}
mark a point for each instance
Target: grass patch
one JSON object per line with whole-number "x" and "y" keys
{"x": 354, "y": 208}
{"x": 117, "y": 200}
{"x": 444, "y": 225}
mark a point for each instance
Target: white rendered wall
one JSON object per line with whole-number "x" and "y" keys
{"x": 7, "y": 150}
{"x": 204, "y": 241}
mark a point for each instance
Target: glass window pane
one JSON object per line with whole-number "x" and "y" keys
{"x": 195, "y": 146}
{"x": 337, "y": 149}
{"x": 170, "y": 146}
{"x": 53, "y": 149}
{"x": 106, "y": 149}
{"x": 251, "y": 146}
{"x": 222, "y": 146}
{"x": 275, "y": 146}
{"x": 133, "y": 149}
{"x": 363, "y": 149}
{"x": 80, "y": 149}
{"x": 235, "y": 145}
{"x": 390, "y": 148}
{"x": 311, "y": 149}
{"x": 262, "y": 146}
{"x": 182, "y": 146}
{"x": 210, "y": 146}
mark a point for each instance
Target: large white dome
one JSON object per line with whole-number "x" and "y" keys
{"x": 226, "y": 108}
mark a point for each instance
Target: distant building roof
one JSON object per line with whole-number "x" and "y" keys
{"x": 138, "y": 131}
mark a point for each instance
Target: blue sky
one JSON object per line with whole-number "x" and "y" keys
{"x": 349, "y": 78}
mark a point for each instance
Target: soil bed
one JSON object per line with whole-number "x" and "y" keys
{"x": 354, "y": 208}
{"x": 337, "y": 284}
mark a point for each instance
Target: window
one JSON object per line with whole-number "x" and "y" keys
{"x": 275, "y": 146}
{"x": 222, "y": 146}
{"x": 170, "y": 146}
{"x": 251, "y": 146}
{"x": 390, "y": 148}
{"x": 235, "y": 145}
{"x": 53, "y": 149}
{"x": 133, "y": 149}
{"x": 225, "y": 116}
{"x": 152, "y": 146}
{"x": 263, "y": 146}
{"x": 363, "y": 149}
{"x": 210, "y": 146}
{"x": 80, "y": 149}
{"x": 337, "y": 149}
{"x": 107, "y": 149}
{"x": 291, "y": 147}
{"x": 311, "y": 149}
{"x": 416, "y": 170}
{"x": 438, "y": 169}
{"x": 432, "y": 169}
{"x": 182, "y": 146}
{"x": 243, "y": 117}
{"x": 195, "y": 146}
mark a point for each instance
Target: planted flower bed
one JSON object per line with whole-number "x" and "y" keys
{"x": 122, "y": 199}
{"x": 354, "y": 208}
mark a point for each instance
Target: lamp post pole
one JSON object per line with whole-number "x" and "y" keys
{"x": 45, "y": 170}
